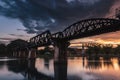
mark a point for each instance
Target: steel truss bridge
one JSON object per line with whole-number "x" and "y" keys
{"x": 80, "y": 29}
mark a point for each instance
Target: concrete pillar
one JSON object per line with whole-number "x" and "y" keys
{"x": 60, "y": 48}
{"x": 60, "y": 60}
{"x": 32, "y": 53}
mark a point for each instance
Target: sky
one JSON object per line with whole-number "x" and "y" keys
{"x": 25, "y": 18}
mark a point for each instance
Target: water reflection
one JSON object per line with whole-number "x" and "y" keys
{"x": 77, "y": 68}
{"x": 82, "y": 68}
{"x": 46, "y": 62}
{"x": 21, "y": 69}
{"x": 60, "y": 71}
{"x": 93, "y": 63}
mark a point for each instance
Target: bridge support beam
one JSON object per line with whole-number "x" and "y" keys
{"x": 60, "y": 54}
{"x": 32, "y": 53}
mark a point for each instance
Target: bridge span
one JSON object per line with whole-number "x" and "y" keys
{"x": 83, "y": 28}
{"x": 80, "y": 29}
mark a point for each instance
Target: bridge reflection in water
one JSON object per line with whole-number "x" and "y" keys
{"x": 77, "y": 68}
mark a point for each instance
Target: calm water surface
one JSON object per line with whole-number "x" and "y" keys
{"x": 77, "y": 68}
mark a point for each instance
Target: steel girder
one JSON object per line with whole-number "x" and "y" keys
{"x": 83, "y": 28}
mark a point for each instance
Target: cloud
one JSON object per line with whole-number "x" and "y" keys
{"x": 40, "y": 15}
{"x": 18, "y": 35}
{"x": 113, "y": 36}
{"x": 7, "y": 39}
{"x": 107, "y": 38}
{"x": 20, "y": 29}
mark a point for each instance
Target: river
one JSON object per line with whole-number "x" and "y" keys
{"x": 76, "y": 68}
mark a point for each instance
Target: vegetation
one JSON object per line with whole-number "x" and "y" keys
{"x": 104, "y": 50}
{"x": 21, "y": 45}
{"x": 7, "y": 50}
{"x": 46, "y": 52}
{"x": 3, "y": 49}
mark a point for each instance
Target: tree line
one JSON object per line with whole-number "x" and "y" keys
{"x": 6, "y": 50}
{"x": 103, "y": 50}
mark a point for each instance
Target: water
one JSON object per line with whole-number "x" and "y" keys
{"x": 77, "y": 68}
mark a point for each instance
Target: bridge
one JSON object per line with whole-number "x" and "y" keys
{"x": 84, "y": 28}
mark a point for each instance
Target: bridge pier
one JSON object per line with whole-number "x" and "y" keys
{"x": 60, "y": 53}
{"x": 32, "y": 53}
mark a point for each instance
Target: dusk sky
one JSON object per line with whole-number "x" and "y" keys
{"x": 26, "y": 18}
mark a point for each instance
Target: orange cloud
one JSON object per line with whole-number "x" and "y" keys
{"x": 109, "y": 38}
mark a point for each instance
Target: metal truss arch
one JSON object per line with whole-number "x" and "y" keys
{"x": 80, "y": 29}
{"x": 89, "y": 26}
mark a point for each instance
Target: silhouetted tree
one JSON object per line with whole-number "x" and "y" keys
{"x": 17, "y": 45}
{"x": 107, "y": 49}
{"x": 2, "y": 50}
{"x": 117, "y": 50}
{"x": 94, "y": 49}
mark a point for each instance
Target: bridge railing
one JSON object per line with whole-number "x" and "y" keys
{"x": 41, "y": 39}
{"x": 57, "y": 35}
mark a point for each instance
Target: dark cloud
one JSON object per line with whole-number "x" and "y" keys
{"x": 20, "y": 29}
{"x": 55, "y": 15}
{"x": 18, "y": 35}
{"x": 6, "y": 39}
{"x": 4, "y": 42}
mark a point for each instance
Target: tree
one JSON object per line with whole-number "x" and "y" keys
{"x": 117, "y": 50}
{"x": 96, "y": 49}
{"x": 2, "y": 49}
{"x": 17, "y": 45}
{"x": 107, "y": 49}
